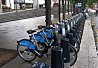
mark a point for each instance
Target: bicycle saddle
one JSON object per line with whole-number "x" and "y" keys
{"x": 40, "y": 27}
{"x": 31, "y": 31}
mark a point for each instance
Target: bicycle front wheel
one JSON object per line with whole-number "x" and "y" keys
{"x": 25, "y": 53}
{"x": 77, "y": 45}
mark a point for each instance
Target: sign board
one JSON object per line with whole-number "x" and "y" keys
{"x": 79, "y": 4}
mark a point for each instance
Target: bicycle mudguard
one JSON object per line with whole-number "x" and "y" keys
{"x": 39, "y": 38}
{"x": 27, "y": 43}
{"x": 48, "y": 35}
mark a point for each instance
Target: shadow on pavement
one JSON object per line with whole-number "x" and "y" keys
{"x": 7, "y": 55}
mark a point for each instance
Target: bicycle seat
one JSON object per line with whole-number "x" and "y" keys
{"x": 40, "y": 27}
{"x": 31, "y": 31}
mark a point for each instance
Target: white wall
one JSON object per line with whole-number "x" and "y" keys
{"x": 19, "y": 1}
{"x": 12, "y": 4}
{"x": 41, "y": 1}
{"x": 35, "y": 4}
{"x": 28, "y": 1}
{"x": 8, "y": 3}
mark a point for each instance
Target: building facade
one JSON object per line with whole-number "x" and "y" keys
{"x": 18, "y": 4}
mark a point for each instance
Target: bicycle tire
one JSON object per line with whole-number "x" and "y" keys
{"x": 44, "y": 48}
{"x": 26, "y": 50}
{"x": 77, "y": 45}
{"x": 73, "y": 59}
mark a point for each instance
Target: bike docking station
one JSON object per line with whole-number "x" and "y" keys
{"x": 60, "y": 55}
{"x": 63, "y": 39}
{"x": 66, "y": 52}
{"x": 57, "y": 57}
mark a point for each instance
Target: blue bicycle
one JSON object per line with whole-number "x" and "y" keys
{"x": 40, "y": 42}
{"x": 28, "y": 49}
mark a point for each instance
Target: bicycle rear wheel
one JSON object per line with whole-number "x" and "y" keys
{"x": 42, "y": 48}
{"x": 77, "y": 45}
{"x": 25, "y": 53}
{"x": 73, "y": 55}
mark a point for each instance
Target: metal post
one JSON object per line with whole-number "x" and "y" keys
{"x": 66, "y": 52}
{"x": 57, "y": 60}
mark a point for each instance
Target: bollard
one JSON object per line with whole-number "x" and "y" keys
{"x": 66, "y": 52}
{"x": 70, "y": 37}
{"x": 57, "y": 60}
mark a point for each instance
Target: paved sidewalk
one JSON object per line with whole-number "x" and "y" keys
{"x": 87, "y": 57}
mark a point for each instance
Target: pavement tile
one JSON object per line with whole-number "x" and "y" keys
{"x": 87, "y": 57}
{"x": 7, "y": 55}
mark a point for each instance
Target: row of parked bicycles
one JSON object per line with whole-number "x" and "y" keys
{"x": 45, "y": 37}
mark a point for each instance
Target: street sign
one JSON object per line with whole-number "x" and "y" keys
{"x": 79, "y": 4}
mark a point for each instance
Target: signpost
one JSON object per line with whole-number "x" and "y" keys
{"x": 79, "y": 4}
{"x": 79, "y": 7}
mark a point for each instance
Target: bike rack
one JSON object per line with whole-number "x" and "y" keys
{"x": 57, "y": 57}
{"x": 60, "y": 55}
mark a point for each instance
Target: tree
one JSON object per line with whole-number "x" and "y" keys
{"x": 84, "y": 2}
{"x": 48, "y": 12}
{"x": 73, "y": 2}
{"x": 90, "y": 2}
